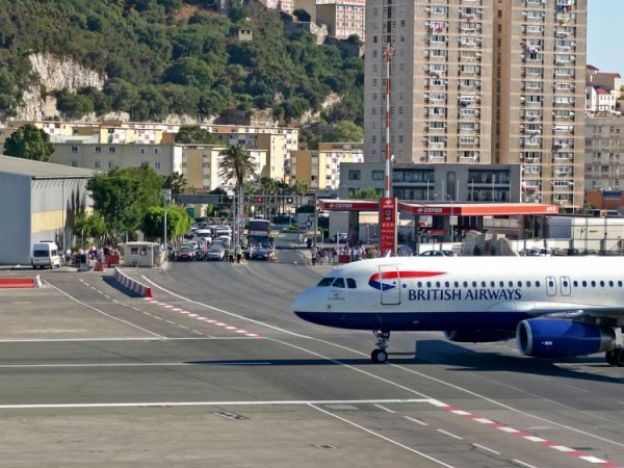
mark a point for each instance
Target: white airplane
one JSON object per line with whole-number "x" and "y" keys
{"x": 554, "y": 306}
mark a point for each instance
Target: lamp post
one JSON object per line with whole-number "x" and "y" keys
{"x": 166, "y": 194}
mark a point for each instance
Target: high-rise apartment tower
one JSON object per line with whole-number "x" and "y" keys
{"x": 483, "y": 82}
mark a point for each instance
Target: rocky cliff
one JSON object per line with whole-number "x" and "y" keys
{"x": 54, "y": 74}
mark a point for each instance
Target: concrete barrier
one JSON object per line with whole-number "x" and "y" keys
{"x": 132, "y": 284}
{"x": 6, "y": 283}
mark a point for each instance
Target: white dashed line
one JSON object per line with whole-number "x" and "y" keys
{"x": 416, "y": 420}
{"x": 521, "y": 463}
{"x": 450, "y": 434}
{"x": 485, "y": 449}
{"x": 381, "y": 407}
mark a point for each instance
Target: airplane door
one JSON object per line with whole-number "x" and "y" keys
{"x": 551, "y": 285}
{"x": 390, "y": 285}
{"x": 565, "y": 286}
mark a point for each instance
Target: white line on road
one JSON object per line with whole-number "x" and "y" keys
{"x": 383, "y": 437}
{"x": 485, "y": 449}
{"x": 388, "y": 410}
{"x": 521, "y": 463}
{"x": 151, "y": 404}
{"x": 68, "y": 340}
{"x": 450, "y": 434}
{"x": 132, "y": 364}
{"x": 84, "y": 304}
{"x": 416, "y": 420}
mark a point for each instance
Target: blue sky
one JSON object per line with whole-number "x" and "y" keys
{"x": 605, "y": 31}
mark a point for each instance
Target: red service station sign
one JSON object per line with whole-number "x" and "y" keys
{"x": 388, "y": 226}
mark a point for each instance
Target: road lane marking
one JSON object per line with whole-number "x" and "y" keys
{"x": 84, "y": 304}
{"x": 485, "y": 449}
{"x": 416, "y": 420}
{"x": 151, "y": 404}
{"x": 381, "y": 407}
{"x": 381, "y": 436}
{"x": 87, "y": 340}
{"x": 450, "y": 434}
{"x": 521, "y": 463}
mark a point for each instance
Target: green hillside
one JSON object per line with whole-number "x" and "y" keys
{"x": 169, "y": 56}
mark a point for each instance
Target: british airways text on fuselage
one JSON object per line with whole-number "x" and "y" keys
{"x": 502, "y": 294}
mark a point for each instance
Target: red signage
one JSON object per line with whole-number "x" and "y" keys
{"x": 260, "y": 200}
{"x": 388, "y": 225}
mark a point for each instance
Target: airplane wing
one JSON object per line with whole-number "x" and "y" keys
{"x": 560, "y": 309}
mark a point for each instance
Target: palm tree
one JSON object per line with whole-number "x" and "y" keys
{"x": 236, "y": 166}
{"x": 176, "y": 182}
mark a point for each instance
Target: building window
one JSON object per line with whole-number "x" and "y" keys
{"x": 111, "y": 149}
{"x": 355, "y": 175}
{"x": 74, "y": 149}
{"x": 98, "y": 149}
{"x": 378, "y": 175}
{"x": 97, "y": 164}
{"x": 156, "y": 165}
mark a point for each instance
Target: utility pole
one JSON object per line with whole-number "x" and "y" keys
{"x": 315, "y": 224}
{"x": 166, "y": 194}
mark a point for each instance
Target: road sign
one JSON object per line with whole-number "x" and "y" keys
{"x": 259, "y": 199}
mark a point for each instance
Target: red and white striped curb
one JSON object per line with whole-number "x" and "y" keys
{"x": 132, "y": 284}
{"x": 202, "y": 319}
{"x": 525, "y": 435}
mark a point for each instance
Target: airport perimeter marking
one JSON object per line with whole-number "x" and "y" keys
{"x": 524, "y": 435}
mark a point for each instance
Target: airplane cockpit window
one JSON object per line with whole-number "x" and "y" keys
{"x": 338, "y": 283}
{"x": 326, "y": 281}
{"x": 351, "y": 284}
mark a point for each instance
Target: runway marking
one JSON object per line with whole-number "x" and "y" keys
{"x": 381, "y": 436}
{"x": 485, "y": 449}
{"x": 152, "y": 404}
{"x": 129, "y": 364}
{"x": 164, "y": 339}
{"x": 521, "y": 463}
{"x": 437, "y": 403}
{"x": 450, "y": 434}
{"x": 84, "y": 304}
{"x": 381, "y": 407}
{"x": 416, "y": 420}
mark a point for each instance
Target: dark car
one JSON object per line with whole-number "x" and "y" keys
{"x": 185, "y": 254}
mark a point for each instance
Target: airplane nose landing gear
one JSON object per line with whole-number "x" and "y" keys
{"x": 379, "y": 354}
{"x": 615, "y": 357}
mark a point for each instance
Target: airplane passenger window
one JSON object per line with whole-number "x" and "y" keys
{"x": 428, "y": 284}
{"x": 419, "y": 284}
{"x": 551, "y": 284}
{"x": 519, "y": 284}
{"x": 351, "y": 283}
{"x": 483, "y": 284}
{"x": 565, "y": 284}
{"x": 593, "y": 284}
{"x": 437, "y": 284}
{"x": 610, "y": 284}
{"x": 584, "y": 284}
{"x": 528, "y": 284}
{"x": 338, "y": 283}
{"x": 619, "y": 284}
{"x": 326, "y": 281}
{"x": 456, "y": 284}
{"x": 447, "y": 284}
{"x": 537, "y": 284}
{"x": 602, "y": 284}
{"x": 492, "y": 284}
{"x": 465, "y": 284}
{"x": 511, "y": 284}
{"x": 474, "y": 284}
{"x": 501, "y": 284}
{"x": 575, "y": 283}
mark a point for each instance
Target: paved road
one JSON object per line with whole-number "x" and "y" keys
{"x": 217, "y": 371}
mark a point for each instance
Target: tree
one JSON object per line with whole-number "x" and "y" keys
{"x": 90, "y": 226}
{"x": 178, "y": 222}
{"x": 29, "y": 142}
{"x": 123, "y": 196}
{"x": 365, "y": 194}
{"x": 237, "y": 166}
{"x": 346, "y": 131}
{"x": 190, "y": 134}
{"x": 176, "y": 182}
{"x": 299, "y": 188}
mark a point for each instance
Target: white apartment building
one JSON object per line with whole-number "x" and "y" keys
{"x": 604, "y": 152}
{"x": 482, "y": 82}
{"x": 343, "y": 18}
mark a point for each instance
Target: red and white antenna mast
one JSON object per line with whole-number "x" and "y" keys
{"x": 388, "y": 53}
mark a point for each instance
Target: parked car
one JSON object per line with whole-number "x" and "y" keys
{"x": 437, "y": 253}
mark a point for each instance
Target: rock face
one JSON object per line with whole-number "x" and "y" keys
{"x": 486, "y": 244}
{"x": 55, "y": 73}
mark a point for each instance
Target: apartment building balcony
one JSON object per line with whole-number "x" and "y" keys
{"x": 435, "y": 158}
{"x": 563, "y": 130}
{"x": 534, "y": 3}
{"x": 563, "y": 115}
{"x": 562, "y": 185}
{"x": 563, "y": 74}
{"x": 437, "y": 42}
{"x": 564, "y": 45}
{"x": 568, "y": 61}
{"x": 562, "y": 157}
{"x": 563, "y": 103}
{"x": 470, "y": 56}
{"x": 469, "y": 42}
{"x": 565, "y": 18}
{"x": 436, "y": 72}
{"x": 435, "y": 145}
{"x": 563, "y": 171}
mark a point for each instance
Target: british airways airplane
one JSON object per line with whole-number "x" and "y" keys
{"x": 555, "y": 306}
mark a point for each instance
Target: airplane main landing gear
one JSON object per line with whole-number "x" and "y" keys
{"x": 379, "y": 354}
{"x": 615, "y": 357}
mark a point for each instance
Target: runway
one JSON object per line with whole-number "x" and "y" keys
{"x": 216, "y": 371}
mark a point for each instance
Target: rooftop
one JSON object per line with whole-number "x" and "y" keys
{"x": 41, "y": 170}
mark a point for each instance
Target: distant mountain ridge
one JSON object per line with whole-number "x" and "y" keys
{"x": 154, "y": 58}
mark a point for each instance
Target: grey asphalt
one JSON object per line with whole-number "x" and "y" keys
{"x": 92, "y": 377}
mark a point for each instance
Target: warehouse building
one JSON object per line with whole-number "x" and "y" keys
{"x": 38, "y": 202}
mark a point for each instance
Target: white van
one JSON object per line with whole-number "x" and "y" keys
{"x": 46, "y": 254}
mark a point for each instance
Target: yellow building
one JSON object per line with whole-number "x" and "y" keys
{"x": 320, "y": 169}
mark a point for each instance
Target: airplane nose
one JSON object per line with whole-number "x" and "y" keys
{"x": 305, "y": 301}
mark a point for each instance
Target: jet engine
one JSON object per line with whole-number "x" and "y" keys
{"x": 478, "y": 336}
{"x": 555, "y": 338}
